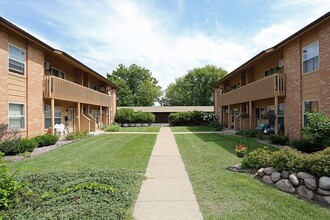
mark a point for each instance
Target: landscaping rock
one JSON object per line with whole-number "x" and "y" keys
{"x": 294, "y": 180}
{"x": 304, "y": 192}
{"x": 310, "y": 183}
{"x": 260, "y": 172}
{"x": 269, "y": 170}
{"x": 267, "y": 179}
{"x": 285, "y": 174}
{"x": 285, "y": 185}
{"x": 325, "y": 200}
{"x": 323, "y": 192}
{"x": 275, "y": 176}
{"x": 303, "y": 175}
{"x": 324, "y": 182}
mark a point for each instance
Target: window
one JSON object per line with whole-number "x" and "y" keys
{"x": 271, "y": 71}
{"x": 310, "y": 56}
{"x": 310, "y": 106}
{"x": 92, "y": 86}
{"x": 57, "y": 115}
{"x": 96, "y": 114}
{"x": 281, "y": 108}
{"x": 58, "y": 73}
{"x": 16, "y": 60}
{"x": 258, "y": 115}
{"x": 234, "y": 114}
{"x": 236, "y": 86}
{"x": 16, "y": 116}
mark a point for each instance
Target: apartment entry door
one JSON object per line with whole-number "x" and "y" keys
{"x": 71, "y": 118}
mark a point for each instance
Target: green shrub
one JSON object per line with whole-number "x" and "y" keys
{"x": 278, "y": 139}
{"x": 306, "y": 145}
{"x": 216, "y": 125}
{"x": 128, "y": 116}
{"x": 10, "y": 189}
{"x": 318, "y": 128}
{"x": 112, "y": 128}
{"x": 250, "y": 133}
{"x": 46, "y": 139}
{"x": 186, "y": 118}
{"x": 319, "y": 163}
{"x": 258, "y": 158}
{"x": 78, "y": 195}
{"x": 12, "y": 146}
{"x": 29, "y": 144}
{"x": 288, "y": 159}
{"x": 76, "y": 135}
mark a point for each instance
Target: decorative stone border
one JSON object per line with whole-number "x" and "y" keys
{"x": 302, "y": 184}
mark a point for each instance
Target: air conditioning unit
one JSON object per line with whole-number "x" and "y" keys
{"x": 47, "y": 65}
{"x": 280, "y": 63}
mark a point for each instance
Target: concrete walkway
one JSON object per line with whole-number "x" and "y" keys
{"x": 167, "y": 192}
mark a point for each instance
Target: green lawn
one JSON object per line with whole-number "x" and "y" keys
{"x": 223, "y": 194}
{"x": 75, "y": 181}
{"x": 140, "y": 129}
{"x": 99, "y": 152}
{"x": 190, "y": 128}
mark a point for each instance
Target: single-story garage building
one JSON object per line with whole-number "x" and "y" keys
{"x": 162, "y": 112}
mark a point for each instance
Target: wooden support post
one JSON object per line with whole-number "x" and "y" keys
{"x": 52, "y": 116}
{"x": 276, "y": 115}
{"x": 250, "y": 114}
{"x": 229, "y": 118}
{"x": 78, "y": 115}
{"x": 100, "y": 118}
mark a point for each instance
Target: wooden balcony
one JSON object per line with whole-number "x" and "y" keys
{"x": 267, "y": 87}
{"x": 61, "y": 89}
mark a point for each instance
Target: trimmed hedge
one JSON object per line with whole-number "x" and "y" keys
{"x": 192, "y": 118}
{"x": 76, "y": 135}
{"x": 111, "y": 128}
{"x": 46, "y": 139}
{"x": 307, "y": 145}
{"x": 288, "y": 158}
{"x": 250, "y": 133}
{"x": 129, "y": 116}
{"x": 16, "y": 146}
{"x": 278, "y": 139}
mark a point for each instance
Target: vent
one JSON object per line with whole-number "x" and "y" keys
{"x": 47, "y": 65}
{"x": 280, "y": 63}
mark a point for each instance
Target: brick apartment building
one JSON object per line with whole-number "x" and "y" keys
{"x": 41, "y": 86}
{"x": 279, "y": 85}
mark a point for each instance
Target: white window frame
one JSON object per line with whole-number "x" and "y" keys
{"x": 15, "y": 116}
{"x": 59, "y": 71}
{"x": 24, "y": 63}
{"x": 303, "y": 108}
{"x": 47, "y": 110}
{"x": 305, "y": 60}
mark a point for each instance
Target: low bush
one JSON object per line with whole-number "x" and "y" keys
{"x": 192, "y": 118}
{"x": 258, "y": 158}
{"x": 18, "y": 145}
{"x": 250, "y": 133}
{"x": 112, "y": 128}
{"x": 10, "y": 189}
{"x": 76, "y": 135}
{"x": 278, "y": 139}
{"x": 92, "y": 194}
{"x": 306, "y": 145}
{"x": 46, "y": 139}
{"x": 290, "y": 159}
{"x": 129, "y": 116}
{"x": 216, "y": 125}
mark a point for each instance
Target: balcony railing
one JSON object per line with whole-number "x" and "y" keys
{"x": 267, "y": 87}
{"x": 61, "y": 89}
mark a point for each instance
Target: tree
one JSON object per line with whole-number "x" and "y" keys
{"x": 136, "y": 86}
{"x": 195, "y": 88}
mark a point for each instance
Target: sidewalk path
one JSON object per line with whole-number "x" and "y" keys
{"x": 167, "y": 192}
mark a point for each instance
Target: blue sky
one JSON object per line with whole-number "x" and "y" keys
{"x": 169, "y": 37}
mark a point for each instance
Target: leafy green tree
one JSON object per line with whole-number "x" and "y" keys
{"x": 195, "y": 88}
{"x": 136, "y": 86}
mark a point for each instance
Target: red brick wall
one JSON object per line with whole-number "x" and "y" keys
{"x": 3, "y": 76}
{"x": 324, "y": 43}
{"x": 35, "y": 72}
{"x": 293, "y": 98}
